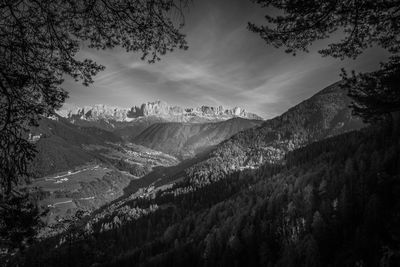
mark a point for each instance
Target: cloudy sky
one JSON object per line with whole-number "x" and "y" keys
{"x": 225, "y": 65}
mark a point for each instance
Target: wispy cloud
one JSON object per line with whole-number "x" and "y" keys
{"x": 225, "y": 65}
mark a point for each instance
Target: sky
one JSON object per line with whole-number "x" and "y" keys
{"x": 225, "y": 64}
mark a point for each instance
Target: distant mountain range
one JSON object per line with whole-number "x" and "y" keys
{"x": 159, "y": 109}
{"x": 62, "y": 140}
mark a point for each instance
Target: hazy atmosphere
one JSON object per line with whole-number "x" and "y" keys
{"x": 225, "y": 65}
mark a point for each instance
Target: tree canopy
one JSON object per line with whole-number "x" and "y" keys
{"x": 376, "y": 94}
{"x": 296, "y": 25}
{"x": 39, "y": 41}
{"x": 38, "y": 45}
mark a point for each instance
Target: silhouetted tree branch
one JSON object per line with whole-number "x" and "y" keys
{"x": 39, "y": 40}
{"x": 296, "y": 25}
{"x": 376, "y": 94}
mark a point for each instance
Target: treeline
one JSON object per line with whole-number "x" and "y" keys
{"x": 333, "y": 203}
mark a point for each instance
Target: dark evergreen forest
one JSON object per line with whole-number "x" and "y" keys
{"x": 331, "y": 203}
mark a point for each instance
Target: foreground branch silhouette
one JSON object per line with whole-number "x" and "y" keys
{"x": 38, "y": 44}
{"x": 296, "y": 25}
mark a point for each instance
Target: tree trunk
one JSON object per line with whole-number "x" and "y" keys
{"x": 395, "y": 121}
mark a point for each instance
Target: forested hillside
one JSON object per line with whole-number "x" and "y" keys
{"x": 59, "y": 145}
{"x": 323, "y": 115}
{"x": 331, "y": 203}
{"x": 188, "y": 139}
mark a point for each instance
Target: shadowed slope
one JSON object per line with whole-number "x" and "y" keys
{"x": 323, "y": 115}
{"x": 59, "y": 145}
{"x": 185, "y": 140}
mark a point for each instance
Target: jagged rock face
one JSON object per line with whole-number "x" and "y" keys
{"x": 158, "y": 108}
{"x": 155, "y": 109}
{"x": 96, "y": 112}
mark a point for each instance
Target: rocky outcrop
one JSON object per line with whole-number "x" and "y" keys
{"x": 93, "y": 113}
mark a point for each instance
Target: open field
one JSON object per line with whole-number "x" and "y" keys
{"x": 85, "y": 187}
{"x": 92, "y": 185}
{"x": 71, "y": 180}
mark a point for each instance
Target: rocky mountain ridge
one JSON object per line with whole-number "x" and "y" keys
{"x": 154, "y": 109}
